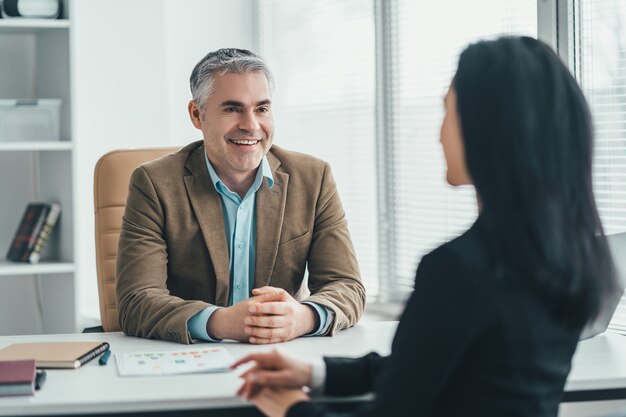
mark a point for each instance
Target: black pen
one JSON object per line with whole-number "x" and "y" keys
{"x": 105, "y": 357}
{"x": 40, "y": 379}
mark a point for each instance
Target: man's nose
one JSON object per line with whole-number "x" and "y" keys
{"x": 249, "y": 122}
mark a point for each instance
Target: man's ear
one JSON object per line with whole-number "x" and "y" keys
{"x": 194, "y": 114}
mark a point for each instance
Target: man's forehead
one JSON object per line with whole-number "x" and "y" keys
{"x": 245, "y": 89}
{"x": 244, "y": 82}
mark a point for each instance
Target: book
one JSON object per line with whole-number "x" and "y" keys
{"x": 28, "y": 230}
{"x": 187, "y": 361}
{"x": 17, "y": 377}
{"x": 70, "y": 355}
{"x": 34, "y": 254}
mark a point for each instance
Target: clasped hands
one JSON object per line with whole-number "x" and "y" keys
{"x": 271, "y": 315}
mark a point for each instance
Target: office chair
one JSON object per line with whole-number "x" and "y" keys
{"x": 110, "y": 189}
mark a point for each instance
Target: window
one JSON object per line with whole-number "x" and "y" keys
{"x": 603, "y": 79}
{"x": 602, "y": 75}
{"x": 425, "y": 44}
{"x": 360, "y": 84}
{"x": 322, "y": 54}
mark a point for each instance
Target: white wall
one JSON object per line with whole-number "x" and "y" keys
{"x": 131, "y": 61}
{"x": 192, "y": 29}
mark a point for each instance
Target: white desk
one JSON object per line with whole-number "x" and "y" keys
{"x": 599, "y": 372}
{"x": 95, "y": 389}
{"x": 598, "y": 369}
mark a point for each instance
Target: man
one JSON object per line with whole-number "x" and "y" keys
{"x": 216, "y": 237}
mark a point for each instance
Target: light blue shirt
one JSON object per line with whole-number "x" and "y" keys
{"x": 240, "y": 227}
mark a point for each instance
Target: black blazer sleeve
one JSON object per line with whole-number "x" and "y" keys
{"x": 352, "y": 376}
{"x": 442, "y": 318}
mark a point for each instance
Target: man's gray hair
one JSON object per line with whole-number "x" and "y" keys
{"x": 222, "y": 61}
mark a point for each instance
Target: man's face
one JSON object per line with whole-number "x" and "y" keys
{"x": 237, "y": 123}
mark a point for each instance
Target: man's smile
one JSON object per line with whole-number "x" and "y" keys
{"x": 247, "y": 142}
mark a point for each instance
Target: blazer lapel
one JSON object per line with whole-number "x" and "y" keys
{"x": 270, "y": 209}
{"x": 207, "y": 206}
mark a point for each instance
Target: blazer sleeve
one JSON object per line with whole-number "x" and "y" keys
{"x": 352, "y": 376}
{"x": 442, "y": 319}
{"x": 334, "y": 276}
{"x": 146, "y": 308}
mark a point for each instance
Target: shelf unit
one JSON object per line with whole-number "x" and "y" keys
{"x": 38, "y": 298}
{"x": 32, "y": 25}
{"x": 36, "y": 146}
{"x": 42, "y": 268}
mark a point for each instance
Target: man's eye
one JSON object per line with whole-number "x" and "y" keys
{"x": 231, "y": 109}
{"x": 263, "y": 110}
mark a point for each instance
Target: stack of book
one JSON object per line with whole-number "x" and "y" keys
{"x": 33, "y": 232}
{"x": 17, "y": 377}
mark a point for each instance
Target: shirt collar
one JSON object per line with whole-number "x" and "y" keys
{"x": 263, "y": 171}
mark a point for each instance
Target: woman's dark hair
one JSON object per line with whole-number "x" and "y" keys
{"x": 528, "y": 140}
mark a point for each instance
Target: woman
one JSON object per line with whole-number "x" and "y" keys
{"x": 496, "y": 313}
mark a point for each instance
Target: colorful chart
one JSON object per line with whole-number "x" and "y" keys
{"x": 174, "y": 362}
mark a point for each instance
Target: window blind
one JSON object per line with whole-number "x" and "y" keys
{"x": 602, "y": 55}
{"x": 322, "y": 54}
{"x": 425, "y": 46}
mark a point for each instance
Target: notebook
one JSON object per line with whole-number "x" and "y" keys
{"x": 17, "y": 377}
{"x": 54, "y": 354}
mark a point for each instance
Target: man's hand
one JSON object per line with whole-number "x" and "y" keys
{"x": 273, "y": 369}
{"x": 271, "y": 315}
{"x": 275, "y": 316}
{"x": 228, "y": 323}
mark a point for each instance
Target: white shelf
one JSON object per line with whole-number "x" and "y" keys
{"x": 36, "y": 146}
{"x": 19, "y": 25}
{"x": 15, "y": 268}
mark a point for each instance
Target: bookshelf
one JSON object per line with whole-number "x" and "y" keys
{"x": 39, "y": 298}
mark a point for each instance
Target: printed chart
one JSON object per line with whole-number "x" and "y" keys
{"x": 173, "y": 362}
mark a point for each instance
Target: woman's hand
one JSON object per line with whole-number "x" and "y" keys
{"x": 274, "y": 369}
{"x": 275, "y": 402}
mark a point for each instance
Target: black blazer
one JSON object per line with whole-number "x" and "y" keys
{"x": 474, "y": 340}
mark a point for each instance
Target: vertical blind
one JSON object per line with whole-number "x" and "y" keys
{"x": 322, "y": 54}
{"x": 425, "y": 46}
{"x": 602, "y": 58}
{"x": 324, "y": 57}
{"x": 603, "y": 79}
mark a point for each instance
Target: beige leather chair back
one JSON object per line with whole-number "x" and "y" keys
{"x": 111, "y": 180}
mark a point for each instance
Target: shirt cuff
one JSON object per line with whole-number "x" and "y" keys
{"x": 196, "y": 325}
{"x": 325, "y": 316}
{"x": 318, "y": 376}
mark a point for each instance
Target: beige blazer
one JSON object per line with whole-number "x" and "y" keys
{"x": 173, "y": 255}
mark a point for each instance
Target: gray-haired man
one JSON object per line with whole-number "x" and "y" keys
{"x": 216, "y": 238}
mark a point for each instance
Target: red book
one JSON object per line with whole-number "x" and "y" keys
{"x": 27, "y": 232}
{"x": 17, "y": 377}
{"x": 33, "y": 253}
